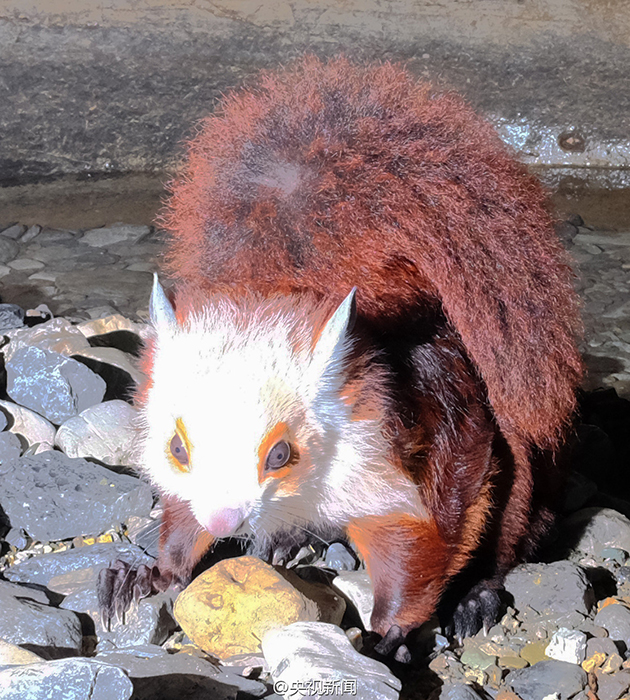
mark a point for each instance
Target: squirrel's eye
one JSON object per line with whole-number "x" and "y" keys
{"x": 278, "y": 455}
{"x": 178, "y": 450}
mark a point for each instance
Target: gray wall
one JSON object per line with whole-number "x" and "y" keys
{"x": 114, "y": 86}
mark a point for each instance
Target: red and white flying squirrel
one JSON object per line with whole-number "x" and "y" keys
{"x": 372, "y": 331}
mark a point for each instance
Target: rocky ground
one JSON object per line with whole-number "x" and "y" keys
{"x": 72, "y": 328}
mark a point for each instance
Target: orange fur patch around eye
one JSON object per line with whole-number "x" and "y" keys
{"x": 180, "y": 430}
{"x": 280, "y": 431}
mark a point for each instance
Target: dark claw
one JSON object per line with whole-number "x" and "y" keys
{"x": 392, "y": 640}
{"x": 121, "y": 584}
{"x": 480, "y": 608}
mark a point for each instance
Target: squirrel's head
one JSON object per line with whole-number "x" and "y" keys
{"x": 245, "y": 411}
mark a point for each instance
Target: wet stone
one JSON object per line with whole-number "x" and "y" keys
{"x": 560, "y": 587}
{"x": 157, "y": 674}
{"x": 10, "y": 447}
{"x": 54, "y": 386}
{"x": 79, "y": 678}
{"x": 616, "y": 620}
{"x": 48, "y": 631}
{"x": 548, "y": 677}
{"x": 11, "y": 316}
{"x": 88, "y": 560}
{"x": 14, "y": 231}
{"x": 9, "y": 249}
{"x": 68, "y": 497}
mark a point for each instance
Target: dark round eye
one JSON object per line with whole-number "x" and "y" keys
{"x": 178, "y": 450}
{"x": 278, "y": 455}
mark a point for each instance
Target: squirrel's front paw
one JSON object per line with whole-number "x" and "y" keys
{"x": 121, "y": 583}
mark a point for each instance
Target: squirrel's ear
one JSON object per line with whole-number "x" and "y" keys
{"x": 332, "y": 341}
{"x": 161, "y": 310}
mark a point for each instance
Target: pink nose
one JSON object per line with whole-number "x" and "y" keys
{"x": 224, "y": 522}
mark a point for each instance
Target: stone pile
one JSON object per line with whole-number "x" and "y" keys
{"x": 70, "y": 505}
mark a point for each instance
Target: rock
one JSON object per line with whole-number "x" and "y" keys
{"x": 612, "y": 687}
{"x": 25, "y": 265}
{"x": 52, "y": 385}
{"x": 149, "y": 622}
{"x": 475, "y": 658}
{"x": 65, "y": 679}
{"x": 57, "y": 335}
{"x": 307, "y": 654}
{"x": 105, "y": 432}
{"x": 18, "y": 538}
{"x": 561, "y": 587}
{"x": 35, "y": 429}
{"x": 116, "y": 233}
{"x": 11, "y": 316}
{"x": 69, "y": 497}
{"x": 597, "y": 529}
{"x": 567, "y": 645}
{"x": 49, "y": 632}
{"x": 110, "y": 324}
{"x": 14, "y": 231}
{"x": 356, "y": 585}
{"x": 13, "y": 655}
{"x": 30, "y": 234}
{"x": 89, "y": 560}
{"x": 616, "y": 620}
{"x": 546, "y": 678}
{"x": 340, "y": 558}
{"x": 115, "y": 358}
{"x": 603, "y": 645}
{"x": 455, "y": 691}
{"x": 157, "y": 674}
{"x": 227, "y": 609}
{"x": 9, "y": 249}
{"x": 10, "y": 447}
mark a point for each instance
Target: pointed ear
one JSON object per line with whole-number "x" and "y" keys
{"x": 161, "y": 310}
{"x": 330, "y": 346}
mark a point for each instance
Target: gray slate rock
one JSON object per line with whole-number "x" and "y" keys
{"x": 612, "y": 686}
{"x": 616, "y": 620}
{"x": 106, "y": 432}
{"x": 68, "y": 497}
{"x": 54, "y": 386}
{"x": 14, "y": 231}
{"x": 65, "y": 679}
{"x": 557, "y": 588}
{"x": 10, "y": 447}
{"x": 455, "y": 691}
{"x": 318, "y": 651}
{"x": 45, "y": 630}
{"x": 157, "y": 674}
{"x": 340, "y": 558}
{"x": 546, "y": 678}
{"x": 9, "y": 249}
{"x": 151, "y": 621}
{"x": 41, "y": 569}
{"x": 597, "y": 529}
{"x": 116, "y": 233}
{"x": 11, "y": 316}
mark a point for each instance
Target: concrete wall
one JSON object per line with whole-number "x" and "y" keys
{"x": 91, "y": 86}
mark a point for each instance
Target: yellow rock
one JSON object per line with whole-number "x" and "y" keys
{"x": 594, "y": 661}
{"x": 227, "y": 609}
{"x": 512, "y": 662}
{"x": 612, "y": 664}
{"x": 13, "y": 655}
{"x": 535, "y": 651}
{"x": 610, "y": 601}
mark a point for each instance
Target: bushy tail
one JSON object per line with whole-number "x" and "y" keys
{"x": 324, "y": 176}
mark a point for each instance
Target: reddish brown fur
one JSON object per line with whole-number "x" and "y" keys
{"x": 327, "y": 176}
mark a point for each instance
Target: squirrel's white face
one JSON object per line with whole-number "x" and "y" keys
{"x": 244, "y": 419}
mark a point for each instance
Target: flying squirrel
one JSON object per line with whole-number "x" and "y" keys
{"x": 371, "y": 332}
